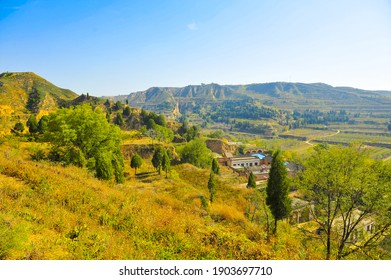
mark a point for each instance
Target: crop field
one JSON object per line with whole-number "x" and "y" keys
{"x": 354, "y": 137}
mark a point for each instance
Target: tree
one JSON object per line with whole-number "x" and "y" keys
{"x": 157, "y": 158}
{"x": 19, "y": 127}
{"x": 166, "y": 162}
{"x": 117, "y": 106}
{"x": 136, "y": 162}
{"x": 33, "y": 101}
{"x": 161, "y": 120}
{"x": 277, "y": 190}
{"x": 215, "y": 167}
{"x": 126, "y": 112}
{"x": 251, "y": 181}
{"x": 196, "y": 153}
{"x": 212, "y": 186}
{"x": 347, "y": 189}
{"x": 119, "y": 120}
{"x": 79, "y": 135}
{"x": 103, "y": 166}
{"x": 32, "y": 124}
{"x": 151, "y": 124}
{"x": 43, "y": 124}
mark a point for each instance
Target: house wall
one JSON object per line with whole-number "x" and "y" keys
{"x": 244, "y": 162}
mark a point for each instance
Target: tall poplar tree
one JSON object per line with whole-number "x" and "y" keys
{"x": 212, "y": 187}
{"x": 251, "y": 183}
{"x": 277, "y": 190}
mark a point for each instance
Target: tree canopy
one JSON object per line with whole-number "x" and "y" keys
{"x": 349, "y": 191}
{"x": 136, "y": 162}
{"x": 79, "y": 135}
{"x": 251, "y": 181}
{"x": 196, "y": 153}
{"x": 277, "y": 190}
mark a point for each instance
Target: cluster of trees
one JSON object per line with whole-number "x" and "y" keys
{"x": 33, "y": 125}
{"x": 257, "y": 128}
{"x": 240, "y": 110}
{"x": 345, "y": 191}
{"x": 82, "y": 136}
{"x": 318, "y": 117}
{"x": 161, "y": 160}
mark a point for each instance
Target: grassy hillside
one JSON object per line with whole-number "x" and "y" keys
{"x": 53, "y": 212}
{"x": 280, "y": 94}
{"x": 26, "y": 91}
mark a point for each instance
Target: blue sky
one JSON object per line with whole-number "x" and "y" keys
{"x": 115, "y": 47}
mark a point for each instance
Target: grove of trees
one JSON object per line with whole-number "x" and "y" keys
{"x": 348, "y": 191}
{"x": 82, "y": 136}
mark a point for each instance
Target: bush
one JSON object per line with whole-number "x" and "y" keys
{"x": 196, "y": 153}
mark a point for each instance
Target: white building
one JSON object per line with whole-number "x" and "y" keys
{"x": 243, "y": 161}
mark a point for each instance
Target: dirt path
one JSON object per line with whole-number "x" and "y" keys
{"x": 387, "y": 158}
{"x": 333, "y": 134}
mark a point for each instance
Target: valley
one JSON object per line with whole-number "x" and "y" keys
{"x": 165, "y": 173}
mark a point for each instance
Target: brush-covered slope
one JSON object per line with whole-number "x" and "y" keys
{"x": 48, "y": 211}
{"x": 28, "y": 92}
{"x": 279, "y": 94}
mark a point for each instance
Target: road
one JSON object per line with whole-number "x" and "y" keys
{"x": 333, "y": 134}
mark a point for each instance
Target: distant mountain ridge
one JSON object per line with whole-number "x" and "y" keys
{"x": 277, "y": 94}
{"x": 28, "y": 92}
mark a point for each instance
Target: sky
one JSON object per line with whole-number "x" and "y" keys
{"x": 113, "y": 47}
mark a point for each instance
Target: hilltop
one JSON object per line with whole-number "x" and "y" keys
{"x": 278, "y": 94}
{"x": 23, "y": 92}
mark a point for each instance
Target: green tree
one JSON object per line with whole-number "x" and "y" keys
{"x": 251, "y": 181}
{"x": 348, "y": 189}
{"x": 166, "y": 162}
{"x": 196, "y": 153}
{"x": 19, "y": 127}
{"x": 34, "y": 98}
{"x": 136, "y": 162}
{"x": 212, "y": 186}
{"x": 119, "y": 120}
{"x": 161, "y": 120}
{"x": 32, "y": 124}
{"x": 103, "y": 166}
{"x": 117, "y": 106}
{"x": 43, "y": 124}
{"x": 277, "y": 190}
{"x": 157, "y": 158}
{"x": 126, "y": 112}
{"x": 192, "y": 133}
{"x": 151, "y": 124}
{"x": 215, "y": 167}
{"x": 79, "y": 134}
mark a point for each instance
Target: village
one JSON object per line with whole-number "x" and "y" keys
{"x": 256, "y": 160}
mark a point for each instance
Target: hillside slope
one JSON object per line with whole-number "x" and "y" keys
{"x": 279, "y": 94}
{"x": 53, "y": 212}
{"x": 27, "y": 92}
